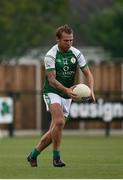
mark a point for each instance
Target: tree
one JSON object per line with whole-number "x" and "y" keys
{"x": 106, "y": 29}
{"x": 26, "y": 24}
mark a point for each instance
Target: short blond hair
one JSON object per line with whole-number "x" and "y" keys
{"x": 65, "y": 28}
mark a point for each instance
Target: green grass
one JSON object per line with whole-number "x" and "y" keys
{"x": 86, "y": 157}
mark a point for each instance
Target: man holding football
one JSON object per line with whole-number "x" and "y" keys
{"x": 61, "y": 62}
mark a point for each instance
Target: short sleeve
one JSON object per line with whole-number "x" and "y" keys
{"x": 81, "y": 60}
{"x": 49, "y": 62}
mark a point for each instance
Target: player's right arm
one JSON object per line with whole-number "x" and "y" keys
{"x": 57, "y": 85}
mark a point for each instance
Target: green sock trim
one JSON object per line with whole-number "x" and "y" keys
{"x": 35, "y": 153}
{"x": 56, "y": 154}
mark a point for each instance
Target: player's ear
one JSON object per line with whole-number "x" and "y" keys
{"x": 57, "y": 39}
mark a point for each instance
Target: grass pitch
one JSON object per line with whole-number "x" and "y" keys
{"x": 86, "y": 157}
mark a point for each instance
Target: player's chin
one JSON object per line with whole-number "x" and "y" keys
{"x": 67, "y": 48}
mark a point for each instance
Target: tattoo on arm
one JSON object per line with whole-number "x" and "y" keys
{"x": 53, "y": 81}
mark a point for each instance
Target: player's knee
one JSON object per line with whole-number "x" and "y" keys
{"x": 60, "y": 123}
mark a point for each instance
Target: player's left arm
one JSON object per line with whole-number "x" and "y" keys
{"x": 90, "y": 81}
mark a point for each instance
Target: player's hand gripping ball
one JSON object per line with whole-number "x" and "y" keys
{"x": 82, "y": 91}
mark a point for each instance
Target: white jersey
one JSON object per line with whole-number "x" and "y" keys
{"x": 50, "y": 57}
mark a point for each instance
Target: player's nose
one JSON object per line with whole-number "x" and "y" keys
{"x": 69, "y": 43}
